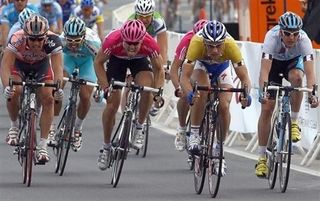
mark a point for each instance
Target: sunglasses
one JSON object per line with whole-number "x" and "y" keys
{"x": 76, "y": 40}
{"x": 132, "y": 43}
{"x": 288, "y": 33}
{"x": 31, "y": 38}
{"x": 214, "y": 45}
{"x": 46, "y": 5}
{"x": 144, "y": 16}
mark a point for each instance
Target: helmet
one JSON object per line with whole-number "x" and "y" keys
{"x": 24, "y": 15}
{"x": 199, "y": 25}
{"x": 36, "y": 25}
{"x": 87, "y": 3}
{"x": 133, "y": 31}
{"x": 144, "y": 7}
{"x": 46, "y": 1}
{"x": 74, "y": 27}
{"x": 214, "y": 31}
{"x": 290, "y": 21}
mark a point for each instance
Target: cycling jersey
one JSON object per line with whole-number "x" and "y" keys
{"x": 18, "y": 45}
{"x": 83, "y": 57}
{"x": 157, "y": 25}
{"x": 113, "y": 45}
{"x": 197, "y": 51}
{"x": 182, "y": 47}
{"x": 275, "y": 48}
{"x": 54, "y": 15}
{"x": 67, "y": 9}
{"x": 10, "y": 15}
{"x": 95, "y": 17}
{"x": 16, "y": 27}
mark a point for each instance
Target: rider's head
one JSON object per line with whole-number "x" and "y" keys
{"x": 132, "y": 34}
{"x": 20, "y": 5}
{"x": 87, "y": 7}
{"x": 199, "y": 25}
{"x": 47, "y": 5}
{"x": 36, "y": 28}
{"x": 290, "y": 26}
{"x": 74, "y": 30}
{"x": 144, "y": 10}
{"x": 214, "y": 34}
{"x": 24, "y": 15}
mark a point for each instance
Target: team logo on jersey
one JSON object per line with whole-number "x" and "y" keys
{"x": 51, "y": 43}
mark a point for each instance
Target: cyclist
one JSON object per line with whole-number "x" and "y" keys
{"x": 67, "y": 7}
{"x": 288, "y": 50}
{"x": 209, "y": 53}
{"x": 39, "y": 51}
{"x": 156, "y": 27}
{"x": 52, "y": 11}
{"x": 80, "y": 45}
{"x": 23, "y": 16}
{"x": 10, "y": 15}
{"x": 127, "y": 47}
{"x": 91, "y": 15}
{"x": 182, "y": 105}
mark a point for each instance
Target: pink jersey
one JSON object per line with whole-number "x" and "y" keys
{"x": 18, "y": 45}
{"x": 182, "y": 47}
{"x": 113, "y": 45}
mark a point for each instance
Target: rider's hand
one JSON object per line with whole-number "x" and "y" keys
{"x": 191, "y": 97}
{"x": 313, "y": 100}
{"x": 245, "y": 102}
{"x": 8, "y": 92}
{"x": 100, "y": 95}
{"x": 263, "y": 97}
{"x": 178, "y": 92}
{"x": 58, "y": 94}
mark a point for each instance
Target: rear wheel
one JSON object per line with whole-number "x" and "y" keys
{"x": 271, "y": 154}
{"x": 146, "y": 136}
{"x": 285, "y": 156}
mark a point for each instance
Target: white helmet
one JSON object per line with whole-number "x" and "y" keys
{"x": 144, "y": 7}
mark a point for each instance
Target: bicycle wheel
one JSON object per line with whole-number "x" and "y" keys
{"x": 146, "y": 136}
{"x": 31, "y": 146}
{"x": 271, "y": 154}
{"x": 215, "y": 174}
{"x": 190, "y": 159}
{"x": 57, "y": 149}
{"x": 200, "y": 160}
{"x": 286, "y": 151}
{"x": 65, "y": 139}
{"x": 121, "y": 149}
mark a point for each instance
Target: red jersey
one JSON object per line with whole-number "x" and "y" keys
{"x": 182, "y": 47}
{"x": 113, "y": 45}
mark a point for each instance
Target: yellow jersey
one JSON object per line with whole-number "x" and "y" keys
{"x": 197, "y": 51}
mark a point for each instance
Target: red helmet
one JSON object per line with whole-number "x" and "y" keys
{"x": 133, "y": 31}
{"x": 199, "y": 25}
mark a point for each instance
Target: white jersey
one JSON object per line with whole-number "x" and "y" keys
{"x": 274, "y": 46}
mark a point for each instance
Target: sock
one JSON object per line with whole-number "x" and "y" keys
{"x": 78, "y": 124}
{"x": 294, "y": 116}
{"x": 15, "y": 124}
{"x": 138, "y": 125}
{"x": 182, "y": 129}
{"x": 262, "y": 151}
{"x": 195, "y": 130}
{"x": 43, "y": 143}
{"x": 107, "y": 146}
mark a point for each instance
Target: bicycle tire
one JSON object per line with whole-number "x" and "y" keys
{"x": 60, "y": 133}
{"x": 121, "y": 151}
{"x": 66, "y": 139}
{"x": 285, "y": 157}
{"x": 190, "y": 159}
{"x": 22, "y": 152}
{"x": 271, "y": 154}
{"x": 214, "y": 178}
{"x": 146, "y": 136}
{"x": 31, "y": 146}
{"x": 200, "y": 161}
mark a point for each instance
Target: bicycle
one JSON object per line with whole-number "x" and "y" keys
{"x": 211, "y": 135}
{"x": 27, "y": 124}
{"x": 124, "y": 133}
{"x": 65, "y": 127}
{"x": 279, "y": 146}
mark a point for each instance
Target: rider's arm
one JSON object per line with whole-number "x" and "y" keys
{"x": 158, "y": 71}
{"x": 59, "y": 26}
{"x": 174, "y": 72}
{"x": 57, "y": 65}
{"x": 162, "y": 41}
{"x": 4, "y": 33}
{"x": 7, "y": 62}
{"x": 187, "y": 70}
{"x": 99, "y": 22}
{"x": 310, "y": 74}
{"x": 243, "y": 75}
{"x": 101, "y": 58}
{"x": 264, "y": 71}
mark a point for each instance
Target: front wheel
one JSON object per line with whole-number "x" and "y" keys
{"x": 271, "y": 154}
{"x": 285, "y": 155}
